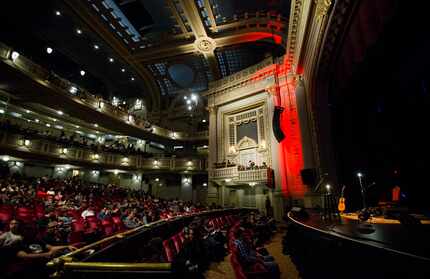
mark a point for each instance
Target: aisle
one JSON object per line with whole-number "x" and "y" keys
{"x": 288, "y": 269}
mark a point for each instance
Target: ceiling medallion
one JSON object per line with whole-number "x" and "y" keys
{"x": 205, "y": 44}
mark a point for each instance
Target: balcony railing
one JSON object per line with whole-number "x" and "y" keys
{"x": 240, "y": 176}
{"x": 25, "y": 146}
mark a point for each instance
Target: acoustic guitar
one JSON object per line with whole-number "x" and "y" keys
{"x": 341, "y": 205}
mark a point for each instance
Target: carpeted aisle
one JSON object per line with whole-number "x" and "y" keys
{"x": 223, "y": 270}
{"x": 288, "y": 269}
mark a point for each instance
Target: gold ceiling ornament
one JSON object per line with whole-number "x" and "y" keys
{"x": 205, "y": 44}
{"x": 322, "y": 8}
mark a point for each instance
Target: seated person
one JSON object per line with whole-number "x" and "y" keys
{"x": 23, "y": 256}
{"x": 192, "y": 260}
{"x": 249, "y": 258}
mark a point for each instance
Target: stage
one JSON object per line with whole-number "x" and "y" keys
{"x": 373, "y": 248}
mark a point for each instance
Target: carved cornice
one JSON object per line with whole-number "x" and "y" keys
{"x": 293, "y": 27}
{"x": 322, "y": 7}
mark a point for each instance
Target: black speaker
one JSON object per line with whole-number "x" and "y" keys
{"x": 276, "y": 123}
{"x": 309, "y": 176}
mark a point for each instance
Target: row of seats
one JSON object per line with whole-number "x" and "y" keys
{"x": 174, "y": 244}
{"x": 257, "y": 270}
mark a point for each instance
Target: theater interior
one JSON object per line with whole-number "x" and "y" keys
{"x": 214, "y": 139}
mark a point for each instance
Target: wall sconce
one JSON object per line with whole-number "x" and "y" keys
{"x": 14, "y": 55}
{"x": 263, "y": 144}
{"x": 24, "y": 142}
{"x": 232, "y": 149}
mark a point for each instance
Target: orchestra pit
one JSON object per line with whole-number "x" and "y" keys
{"x": 214, "y": 139}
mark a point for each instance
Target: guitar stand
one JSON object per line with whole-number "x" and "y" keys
{"x": 329, "y": 208}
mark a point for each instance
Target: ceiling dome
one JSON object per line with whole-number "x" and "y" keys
{"x": 181, "y": 74}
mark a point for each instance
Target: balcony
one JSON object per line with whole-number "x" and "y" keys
{"x": 25, "y": 147}
{"x": 236, "y": 175}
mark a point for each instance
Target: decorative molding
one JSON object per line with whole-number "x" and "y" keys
{"x": 205, "y": 44}
{"x": 246, "y": 143}
{"x": 322, "y": 7}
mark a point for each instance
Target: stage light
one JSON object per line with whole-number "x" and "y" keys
{"x": 111, "y": 60}
{"x": 49, "y": 50}
{"x": 14, "y": 55}
{"x": 188, "y": 102}
{"x": 60, "y": 112}
{"x": 82, "y": 72}
{"x": 157, "y": 179}
{"x": 185, "y": 97}
{"x": 123, "y": 70}
{"x": 194, "y": 97}
{"x": 36, "y": 120}
{"x": 132, "y": 79}
{"x": 57, "y": 13}
{"x": 190, "y": 107}
{"x": 96, "y": 125}
{"x": 48, "y": 125}
{"x": 359, "y": 174}
{"x": 79, "y": 31}
{"x": 96, "y": 47}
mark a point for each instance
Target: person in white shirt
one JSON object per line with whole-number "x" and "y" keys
{"x": 12, "y": 237}
{"x": 88, "y": 212}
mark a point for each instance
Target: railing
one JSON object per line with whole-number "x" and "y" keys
{"x": 253, "y": 175}
{"x": 83, "y": 97}
{"x": 26, "y": 144}
{"x": 247, "y": 175}
{"x": 225, "y": 172}
{"x": 106, "y": 257}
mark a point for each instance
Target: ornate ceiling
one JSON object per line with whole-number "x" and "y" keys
{"x": 161, "y": 49}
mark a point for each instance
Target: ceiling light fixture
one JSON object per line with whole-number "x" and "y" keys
{"x": 190, "y": 107}
{"x": 49, "y": 50}
{"x": 204, "y": 120}
{"x": 96, "y": 47}
{"x": 82, "y": 72}
{"x": 132, "y": 79}
{"x": 79, "y": 31}
{"x": 57, "y": 13}
{"x": 111, "y": 60}
{"x": 123, "y": 70}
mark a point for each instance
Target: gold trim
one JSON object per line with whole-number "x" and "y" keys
{"x": 117, "y": 266}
